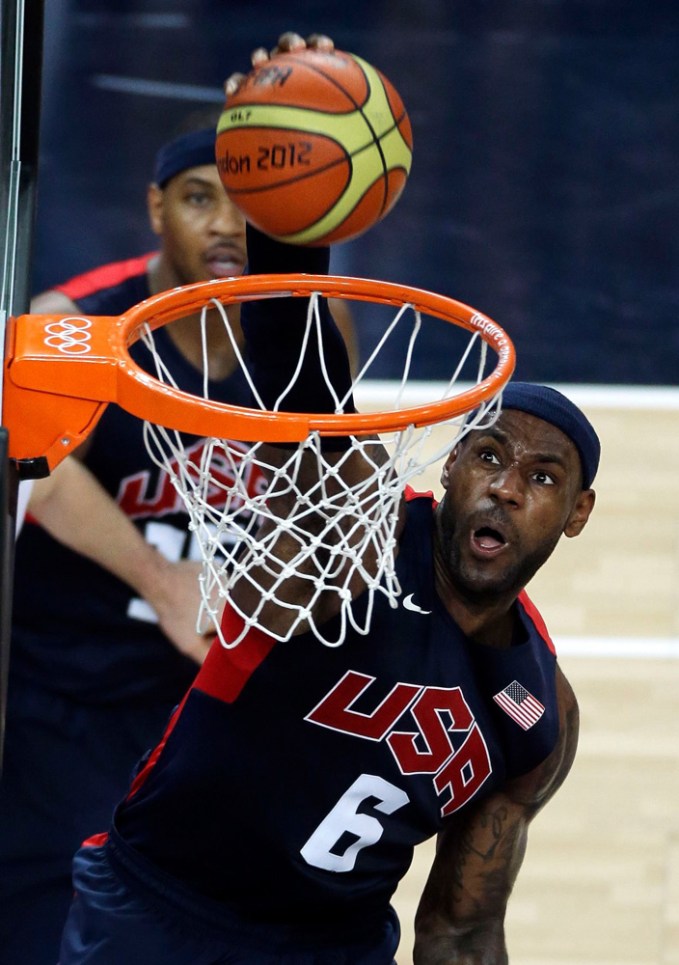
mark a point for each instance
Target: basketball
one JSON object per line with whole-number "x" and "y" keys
{"x": 314, "y": 147}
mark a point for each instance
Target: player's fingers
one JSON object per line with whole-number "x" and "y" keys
{"x": 289, "y": 41}
{"x": 320, "y": 42}
{"x": 232, "y": 83}
{"x": 259, "y": 56}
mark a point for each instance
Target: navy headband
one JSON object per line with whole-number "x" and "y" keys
{"x": 187, "y": 151}
{"x": 550, "y": 405}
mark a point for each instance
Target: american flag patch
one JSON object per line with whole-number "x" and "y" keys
{"x": 521, "y": 705}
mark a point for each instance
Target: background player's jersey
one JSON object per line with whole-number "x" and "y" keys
{"x": 297, "y": 778}
{"x": 90, "y": 636}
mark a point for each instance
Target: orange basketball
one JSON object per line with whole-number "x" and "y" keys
{"x": 314, "y": 147}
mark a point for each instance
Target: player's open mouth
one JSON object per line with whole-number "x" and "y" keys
{"x": 487, "y": 542}
{"x": 225, "y": 262}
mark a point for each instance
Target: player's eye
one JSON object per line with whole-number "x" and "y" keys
{"x": 544, "y": 478}
{"x": 487, "y": 455}
{"x": 199, "y": 199}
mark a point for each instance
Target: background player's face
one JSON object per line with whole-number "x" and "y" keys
{"x": 511, "y": 491}
{"x": 202, "y": 233}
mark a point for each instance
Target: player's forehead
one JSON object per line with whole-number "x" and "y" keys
{"x": 205, "y": 174}
{"x": 531, "y": 437}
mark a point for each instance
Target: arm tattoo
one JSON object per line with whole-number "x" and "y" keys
{"x": 483, "y": 870}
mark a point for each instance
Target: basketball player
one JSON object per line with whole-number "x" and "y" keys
{"x": 275, "y": 818}
{"x": 277, "y": 814}
{"x": 101, "y": 654}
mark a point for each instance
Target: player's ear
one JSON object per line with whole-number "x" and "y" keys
{"x": 580, "y": 513}
{"x": 154, "y": 205}
{"x": 447, "y": 465}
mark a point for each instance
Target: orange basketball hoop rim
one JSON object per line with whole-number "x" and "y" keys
{"x": 62, "y": 370}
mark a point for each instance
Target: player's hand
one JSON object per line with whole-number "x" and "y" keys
{"x": 287, "y": 43}
{"x": 175, "y": 597}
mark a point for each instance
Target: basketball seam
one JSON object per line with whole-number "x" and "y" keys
{"x": 377, "y": 140}
{"x": 327, "y": 77}
{"x": 273, "y": 125}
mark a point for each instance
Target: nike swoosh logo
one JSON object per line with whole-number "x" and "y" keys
{"x": 409, "y": 605}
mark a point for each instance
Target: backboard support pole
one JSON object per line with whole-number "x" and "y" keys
{"x": 21, "y": 54}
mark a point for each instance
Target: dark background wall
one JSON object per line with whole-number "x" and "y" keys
{"x": 545, "y": 182}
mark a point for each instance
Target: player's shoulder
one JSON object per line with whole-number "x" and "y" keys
{"x": 544, "y": 779}
{"x": 67, "y": 296}
{"x": 110, "y": 275}
{"x": 535, "y": 619}
{"x": 52, "y": 302}
{"x": 536, "y": 787}
{"x": 109, "y": 289}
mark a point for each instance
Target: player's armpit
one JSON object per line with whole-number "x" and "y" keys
{"x": 460, "y": 919}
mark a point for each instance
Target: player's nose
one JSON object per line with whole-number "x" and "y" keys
{"x": 507, "y": 485}
{"x": 227, "y": 218}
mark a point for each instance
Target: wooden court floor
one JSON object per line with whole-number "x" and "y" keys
{"x": 600, "y": 883}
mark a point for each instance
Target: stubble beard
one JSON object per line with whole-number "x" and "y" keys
{"x": 479, "y": 586}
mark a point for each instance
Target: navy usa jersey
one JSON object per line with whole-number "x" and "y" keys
{"x": 297, "y": 778}
{"x": 90, "y": 637}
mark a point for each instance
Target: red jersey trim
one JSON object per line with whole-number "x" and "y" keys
{"x": 225, "y": 671}
{"x": 96, "y": 840}
{"x": 223, "y": 675}
{"x": 106, "y": 276}
{"x": 409, "y": 493}
{"x": 539, "y": 623}
{"x": 157, "y": 751}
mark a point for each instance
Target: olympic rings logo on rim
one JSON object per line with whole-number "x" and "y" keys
{"x": 70, "y": 335}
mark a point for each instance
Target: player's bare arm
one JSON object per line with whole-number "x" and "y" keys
{"x": 460, "y": 920}
{"x": 73, "y": 506}
{"x": 286, "y": 542}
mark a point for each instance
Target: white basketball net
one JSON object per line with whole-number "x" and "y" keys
{"x": 352, "y": 539}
